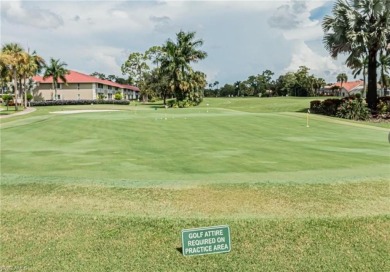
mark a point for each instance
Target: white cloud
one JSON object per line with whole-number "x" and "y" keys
{"x": 307, "y": 32}
{"x": 323, "y": 66}
{"x": 16, "y": 13}
{"x": 93, "y": 35}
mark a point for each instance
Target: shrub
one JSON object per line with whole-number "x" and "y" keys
{"x": 29, "y": 97}
{"x": 315, "y": 106}
{"x": 185, "y": 103}
{"x": 118, "y": 96}
{"x": 101, "y": 96}
{"x": 383, "y": 105}
{"x": 330, "y": 106}
{"x": 354, "y": 109}
{"x": 7, "y": 98}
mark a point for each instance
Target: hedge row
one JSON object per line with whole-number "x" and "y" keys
{"x": 353, "y": 107}
{"x": 327, "y": 106}
{"x": 78, "y": 102}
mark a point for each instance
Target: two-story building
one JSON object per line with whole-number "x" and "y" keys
{"x": 81, "y": 86}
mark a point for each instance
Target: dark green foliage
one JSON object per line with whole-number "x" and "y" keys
{"x": 78, "y": 102}
{"x": 383, "y": 105}
{"x": 29, "y": 97}
{"x": 353, "y": 109}
{"x": 184, "y": 104}
{"x": 315, "y": 106}
{"x": 6, "y": 98}
{"x": 329, "y": 106}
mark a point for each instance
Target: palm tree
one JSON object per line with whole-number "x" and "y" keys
{"x": 319, "y": 83}
{"x": 342, "y": 78}
{"x": 216, "y": 83}
{"x": 56, "y": 70}
{"x": 31, "y": 66}
{"x": 5, "y": 75}
{"x": 198, "y": 83}
{"x": 384, "y": 65}
{"x": 358, "y": 28}
{"x": 176, "y": 62}
{"x": 13, "y": 55}
{"x": 359, "y": 66}
{"x": 237, "y": 87}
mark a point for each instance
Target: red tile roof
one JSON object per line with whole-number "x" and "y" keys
{"x": 349, "y": 86}
{"x": 76, "y": 77}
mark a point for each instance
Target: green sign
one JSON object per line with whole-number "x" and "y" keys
{"x": 207, "y": 240}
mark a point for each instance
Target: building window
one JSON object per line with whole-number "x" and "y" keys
{"x": 110, "y": 96}
{"x": 109, "y": 87}
{"x": 100, "y": 85}
{"x": 59, "y": 85}
{"x": 78, "y": 86}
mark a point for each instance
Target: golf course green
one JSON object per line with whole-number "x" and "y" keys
{"x": 109, "y": 188}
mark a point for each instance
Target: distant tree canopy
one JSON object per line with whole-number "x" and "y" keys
{"x": 113, "y": 78}
{"x": 299, "y": 83}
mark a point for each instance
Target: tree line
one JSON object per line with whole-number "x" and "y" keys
{"x": 298, "y": 83}
{"x": 358, "y": 28}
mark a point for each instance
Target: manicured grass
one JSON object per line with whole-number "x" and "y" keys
{"x": 78, "y": 242}
{"x": 112, "y": 191}
{"x": 11, "y": 110}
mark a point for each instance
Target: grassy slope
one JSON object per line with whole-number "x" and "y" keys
{"x": 112, "y": 191}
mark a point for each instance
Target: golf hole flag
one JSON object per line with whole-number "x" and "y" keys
{"x": 207, "y": 240}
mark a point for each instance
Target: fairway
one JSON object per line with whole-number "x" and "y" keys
{"x": 109, "y": 188}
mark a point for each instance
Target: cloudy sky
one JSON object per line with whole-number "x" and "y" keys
{"x": 242, "y": 38}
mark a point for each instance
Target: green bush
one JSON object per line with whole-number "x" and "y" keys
{"x": 29, "y": 97}
{"x": 183, "y": 104}
{"x": 315, "y": 106}
{"x": 7, "y": 98}
{"x": 118, "y": 96}
{"x": 354, "y": 109}
{"x": 383, "y": 105}
{"x": 330, "y": 106}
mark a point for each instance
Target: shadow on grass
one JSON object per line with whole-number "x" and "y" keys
{"x": 303, "y": 110}
{"x": 8, "y": 112}
{"x": 180, "y": 249}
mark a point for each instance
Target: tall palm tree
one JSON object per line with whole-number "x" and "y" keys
{"x": 32, "y": 65}
{"x": 342, "y": 78}
{"x": 56, "y": 70}
{"x": 237, "y": 87}
{"x": 13, "y": 55}
{"x": 359, "y": 27}
{"x": 176, "y": 62}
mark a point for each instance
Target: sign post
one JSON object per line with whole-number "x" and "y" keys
{"x": 208, "y": 240}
